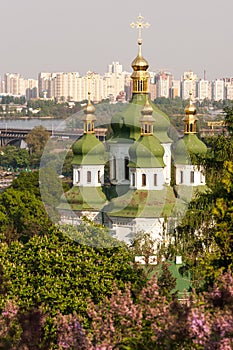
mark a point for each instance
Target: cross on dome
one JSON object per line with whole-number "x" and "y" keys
{"x": 140, "y": 24}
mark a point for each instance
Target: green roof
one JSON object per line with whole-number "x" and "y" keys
{"x": 147, "y": 152}
{"x": 143, "y": 203}
{"x": 185, "y": 147}
{"x": 83, "y": 198}
{"x": 186, "y": 193}
{"x": 126, "y": 124}
{"x": 88, "y": 150}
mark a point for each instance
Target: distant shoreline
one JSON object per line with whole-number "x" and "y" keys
{"x": 31, "y": 118}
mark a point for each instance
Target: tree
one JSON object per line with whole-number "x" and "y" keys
{"x": 22, "y": 215}
{"x": 58, "y": 273}
{"x": 14, "y": 157}
{"x": 36, "y": 141}
{"x": 166, "y": 282}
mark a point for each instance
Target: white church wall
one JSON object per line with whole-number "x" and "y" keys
{"x": 189, "y": 175}
{"x": 88, "y": 175}
{"x": 118, "y": 153}
{"x": 147, "y": 178}
{"x": 167, "y": 161}
{"x": 125, "y": 229}
{"x": 75, "y": 218}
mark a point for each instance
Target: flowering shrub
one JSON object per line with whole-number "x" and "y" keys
{"x": 149, "y": 322}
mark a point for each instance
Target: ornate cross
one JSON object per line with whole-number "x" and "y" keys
{"x": 140, "y": 25}
{"x": 89, "y": 78}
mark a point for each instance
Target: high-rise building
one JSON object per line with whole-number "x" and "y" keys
{"x": 163, "y": 82}
{"x": 175, "y": 92}
{"x": 228, "y": 88}
{"x": 203, "y": 90}
{"x": 218, "y": 90}
{"x": 188, "y": 84}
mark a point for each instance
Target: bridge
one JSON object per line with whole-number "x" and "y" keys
{"x": 14, "y": 137}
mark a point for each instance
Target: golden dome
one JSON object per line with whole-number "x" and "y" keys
{"x": 147, "y": 109}
{"x": 190, "y": 109}
{"x": 89, "y": 109}
{"x": 140, "y": 63}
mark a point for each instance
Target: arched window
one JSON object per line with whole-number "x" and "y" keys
{"x": 114, "y": 168}
{"x": 155, "y": 180}
{"x": 191, "y": 127}
{"x": 133, "y": 179}
{"x": 88, "y": 176}
{"x": 143, "y": 179}
{"x": 192, "y": 177}
{"x": 181, "y": 177}
{"x": 126, "y": 169}
{"x": 78, "y": 179}
{"x": 99, "y": 180}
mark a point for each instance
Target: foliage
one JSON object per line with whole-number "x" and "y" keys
{"x": 229, "y": 118}
{"x": 37, "y": 139}
{"x": 27, "y": 181}
{"x": 14, "y": 157}
{"x": 54, "y": 271}
{"x": 203, "y": 322}
{"x": 22, "y": 215}
{"x": 166, "y": 282}
{"x": 11, "y": 99}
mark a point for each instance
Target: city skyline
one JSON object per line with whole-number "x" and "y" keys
{"x": 45, "y": 36}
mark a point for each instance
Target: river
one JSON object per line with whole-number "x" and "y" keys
{"x": 30, "y": 123}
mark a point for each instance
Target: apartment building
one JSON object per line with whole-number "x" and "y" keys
{"x": 203, "y": 90}
{"x": 188, "y": 84}
{"x": 218, "y": 90}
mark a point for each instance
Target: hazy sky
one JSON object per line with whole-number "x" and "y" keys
{"x": 75, "y": 35}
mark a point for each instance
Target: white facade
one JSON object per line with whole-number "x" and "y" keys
{"x": 119, "y": 159}
{"x": 167, "y": 161}
{"x": 88, "y": 175}
{"x": 163, "y": 84}
{"x": 203, "y": 90}
{"x": 124, "y": 229}
{"x": 147, "y": 179}
{"x": 189, "y": 175}
{"x": 76, "y": 218}
{"x": 218, "y": 90}
{"x": 188, "y": 84}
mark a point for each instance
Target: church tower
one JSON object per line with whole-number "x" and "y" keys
{"x": 146, "y": 156}
{"x": 86, "y": 197}
{"x": 126, "y": 126}
{"x": 188, "y": 172}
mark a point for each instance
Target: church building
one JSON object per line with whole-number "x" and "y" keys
{"x": 141, "y": 157}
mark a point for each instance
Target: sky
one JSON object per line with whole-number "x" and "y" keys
{"x": 75, "y": 35}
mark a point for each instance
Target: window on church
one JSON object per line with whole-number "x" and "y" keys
{"x": 114, "y": 168}
{"x": 201, "y": 177}
{"x": 191, "y": 127}
{"x": 126, "y": 169}
{"x": 143, "y": 179}
{"x": 133, "y": 179}
{"x": 181, "y": 176}
{"x": 192, "y": 177}
{"x": 78, "y": 179}
{"x": 140, "y": 85}
{"x": 88, "y": 176}
{"x": 155, "y": 180}
{"x": 99, "y": 180}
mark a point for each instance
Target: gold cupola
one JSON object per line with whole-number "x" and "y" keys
{"x": 140, "y": 76}
{"x": 89, "y": 117}
{"x": 190, "y": 118}
{"x": 146, "y": 119}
